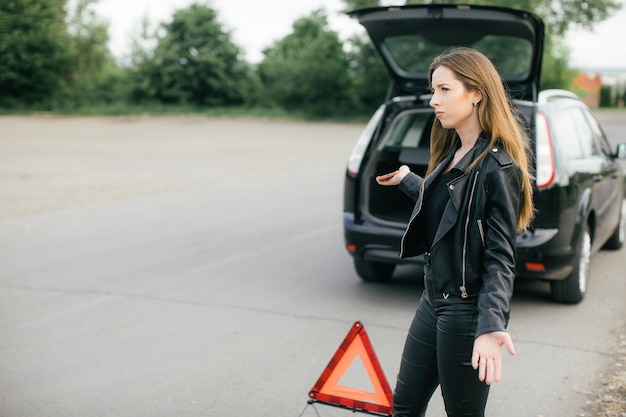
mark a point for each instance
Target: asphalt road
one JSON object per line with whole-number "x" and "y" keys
{"x": 195, "y": 267}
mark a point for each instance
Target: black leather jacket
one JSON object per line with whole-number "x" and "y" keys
{"x": 472, "y": 257}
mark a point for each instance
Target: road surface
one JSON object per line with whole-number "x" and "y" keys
{"x": 184, "y": 266}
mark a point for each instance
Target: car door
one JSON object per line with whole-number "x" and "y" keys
{"x": 609, "y": 181}
{"x": 592, "y": 169}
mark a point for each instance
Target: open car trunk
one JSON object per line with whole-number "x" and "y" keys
{"x": 409, "y": 37}
{"x": 406, "y": 141}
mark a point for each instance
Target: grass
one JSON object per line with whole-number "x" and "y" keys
{"x": 157, "y": 109}
{"x": 123, "y": 109}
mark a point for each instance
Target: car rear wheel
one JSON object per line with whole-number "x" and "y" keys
{"x": 572, "y": 289}
{"x": 616, "y": 241}
{"x": 374, "y": 271}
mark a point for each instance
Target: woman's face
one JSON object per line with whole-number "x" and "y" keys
{"x": 453, "y": 104}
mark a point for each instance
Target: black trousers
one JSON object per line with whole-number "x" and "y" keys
{"x": 438, "y": 351}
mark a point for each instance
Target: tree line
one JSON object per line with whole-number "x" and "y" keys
{"x": 56, "y": 58}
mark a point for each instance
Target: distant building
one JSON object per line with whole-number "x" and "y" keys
{"x": 590, "y": 80}
{"x": 588, "y": 86}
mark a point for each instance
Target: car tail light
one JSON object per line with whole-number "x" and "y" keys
{"x": 356, "y": 157}
{"x": 533, "y": 266}
{"x": 545, "y": 158}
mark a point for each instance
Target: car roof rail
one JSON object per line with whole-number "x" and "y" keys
{"x": 554, "y": 94}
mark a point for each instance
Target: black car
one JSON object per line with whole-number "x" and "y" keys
{"x": 579, "y": 187}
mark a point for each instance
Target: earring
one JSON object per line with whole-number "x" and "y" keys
{"x": 475, "y": 103}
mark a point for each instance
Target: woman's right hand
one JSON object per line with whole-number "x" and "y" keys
{"x": 393, "y": 178}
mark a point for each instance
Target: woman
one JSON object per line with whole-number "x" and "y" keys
{"x": 476, "y": 195}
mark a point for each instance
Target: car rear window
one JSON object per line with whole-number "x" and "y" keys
{"x": 412, "y": 54}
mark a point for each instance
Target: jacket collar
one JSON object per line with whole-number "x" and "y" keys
{"x": 481, "y": 144}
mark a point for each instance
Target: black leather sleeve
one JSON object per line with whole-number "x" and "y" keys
{"x": 501, "y": 214}
{"x": 411, "y": 185}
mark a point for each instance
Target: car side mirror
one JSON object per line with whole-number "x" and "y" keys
{"x": 621, "y": 150}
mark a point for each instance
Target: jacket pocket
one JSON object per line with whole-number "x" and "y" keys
{"x": 481, "y": 231}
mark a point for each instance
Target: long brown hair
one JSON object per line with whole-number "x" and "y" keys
{"x": 496, "y": 115}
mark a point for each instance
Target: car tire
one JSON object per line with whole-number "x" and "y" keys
{"x": 616, "y": 241}
{"x": 374, "y": 271}
{"x": 572, "y": 289}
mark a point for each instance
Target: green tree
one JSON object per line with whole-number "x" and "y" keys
{"x": 34, "y": 51}
{"x": 606, "y": 93}
{"x": 368, "y": 74}
{"x": 556, "y": 72}
{"x": 360, "y": 4}
{"x": 141, "y": 63}
{"x": 307, "y": 70}
{"x": 194, "y": 62}
{"x": 93, "y": 69}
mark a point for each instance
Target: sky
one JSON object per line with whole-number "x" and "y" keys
{"x": 255, "y": 25}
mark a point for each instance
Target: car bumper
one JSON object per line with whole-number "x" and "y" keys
{"x": 541, "y": 254}
{"x": 373, "y": 242}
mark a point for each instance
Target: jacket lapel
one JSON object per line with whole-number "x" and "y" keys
{"x": 442, "y": 165}
{"x": 457, "y": 189}
{"x": 450, "y": 213}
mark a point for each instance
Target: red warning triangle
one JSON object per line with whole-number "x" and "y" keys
{"x": 327, "y": 389}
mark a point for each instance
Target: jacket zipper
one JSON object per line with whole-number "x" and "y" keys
{"x": 482, "y": 232}
{"x": 463, "y": 288}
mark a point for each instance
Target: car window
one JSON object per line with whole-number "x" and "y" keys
{"x": 565, "y": 131}
{"x": 585, "y": 135}
{"x": 601, "y": 140}
{"x": 410, "y": 130}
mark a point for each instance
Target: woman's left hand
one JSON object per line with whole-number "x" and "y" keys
{"x": 487, "y": 355}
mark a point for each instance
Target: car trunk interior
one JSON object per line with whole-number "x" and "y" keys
{"x": 406, "y": 142}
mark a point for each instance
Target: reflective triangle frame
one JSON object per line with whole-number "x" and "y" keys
{"x": 328, "y": 391}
